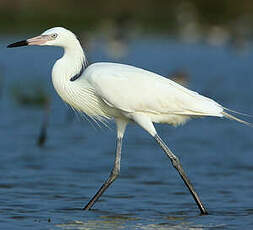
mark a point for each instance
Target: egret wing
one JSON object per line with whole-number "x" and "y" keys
{"x": 132, "y": 89}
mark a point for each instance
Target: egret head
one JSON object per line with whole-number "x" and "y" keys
{"x": 57, "y": 36}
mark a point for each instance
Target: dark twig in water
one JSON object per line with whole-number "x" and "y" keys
{"x": 43, "y": 131}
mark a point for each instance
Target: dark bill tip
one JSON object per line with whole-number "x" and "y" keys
{"x": 17, "y": 44}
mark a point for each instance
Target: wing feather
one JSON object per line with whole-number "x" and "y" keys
{"x": 132, "y": 89}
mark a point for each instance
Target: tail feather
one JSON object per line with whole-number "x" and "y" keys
{"x": 231, "y": 117}
{"x": 233, "y": 111}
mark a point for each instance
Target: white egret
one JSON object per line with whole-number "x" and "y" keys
{"x": 123, "y": 93}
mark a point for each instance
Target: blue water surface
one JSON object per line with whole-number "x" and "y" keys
{"x": 46, "y": 187}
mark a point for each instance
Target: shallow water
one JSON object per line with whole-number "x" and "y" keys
{"x": 46, "y": 188}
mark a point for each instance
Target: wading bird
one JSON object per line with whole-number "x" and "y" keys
{"x": 123, "y": 93}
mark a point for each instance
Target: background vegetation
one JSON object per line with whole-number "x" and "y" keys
{"x": 163, "y": 16}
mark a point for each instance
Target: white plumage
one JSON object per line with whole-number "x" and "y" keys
{"x": 134, "y": 90}
{"x": 111, "y": 90}
{"x": 124, "y": 93}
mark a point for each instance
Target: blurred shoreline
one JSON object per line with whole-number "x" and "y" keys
{"x": 189, "y": 18}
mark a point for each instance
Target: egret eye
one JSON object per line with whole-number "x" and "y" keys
{"x": 54, "y": 36}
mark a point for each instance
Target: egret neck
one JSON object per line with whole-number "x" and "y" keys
{"x": 72, "y": 64}
{"x": 68, "y": 68}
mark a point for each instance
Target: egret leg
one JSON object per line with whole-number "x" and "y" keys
{"x": 176, "y": 163}
{"x": 113, "y": 176}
